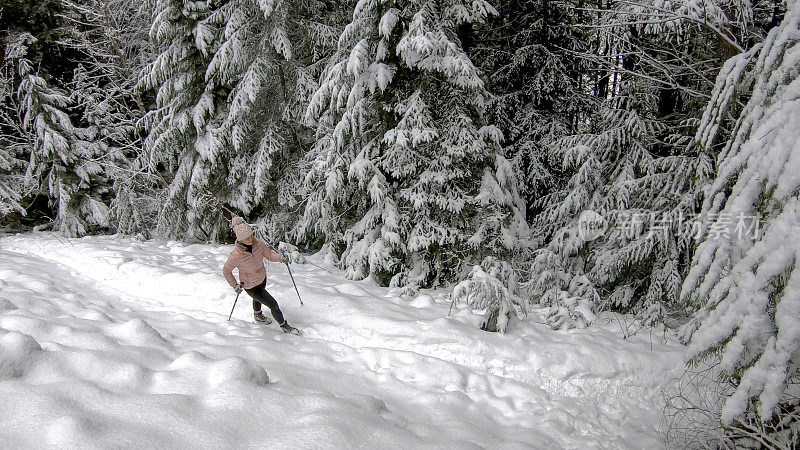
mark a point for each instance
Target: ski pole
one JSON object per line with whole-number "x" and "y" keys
{"x": 292, "y": 277}
{"x": 234, "y": 305}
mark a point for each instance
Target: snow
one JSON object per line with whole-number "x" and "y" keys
{"x": 110, "y": 341}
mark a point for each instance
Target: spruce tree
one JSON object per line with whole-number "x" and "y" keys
{"x": 531, "y": 55}
{"x": 229, "y": 94}
{"x": 41, "y": 124}
{"x": 112, "y": 38}
{"x": 63, "y": 158}
{"x": 408, "y": 183}
{"x": 633, "y": 168}
{"x": 641, "y": 202}
{"x": 745, "y": 273}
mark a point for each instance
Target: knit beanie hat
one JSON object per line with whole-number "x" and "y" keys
{"x": 242, "y": 229}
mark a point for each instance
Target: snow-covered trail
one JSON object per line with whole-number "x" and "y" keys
{"x": 108, "y": 341}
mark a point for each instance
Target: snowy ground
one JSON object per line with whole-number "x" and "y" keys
{"x": 106, "y": 341}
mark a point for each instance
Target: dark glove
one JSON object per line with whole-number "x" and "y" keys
{"x": 284, "y": 258}
{"x": 238, "y": 288}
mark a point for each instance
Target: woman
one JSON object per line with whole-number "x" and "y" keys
{"x": 248, "y": 256}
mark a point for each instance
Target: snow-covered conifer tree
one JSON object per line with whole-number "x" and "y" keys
{"x": 634, "y": 168}
{"x": 230, "y": 92}
{"x": 178, "y": 76}
{"x": 63, "y": 158}
{"x": 111, "y": 36}
{"x": 745, "y": 272}
{"x": 640, "y": 202}
{"x": 531, "y": 55}
{"x": 406, "y": 179}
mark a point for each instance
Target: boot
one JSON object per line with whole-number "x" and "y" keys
{"x": 261, "y": 318}
{"x": 289, "y": 329}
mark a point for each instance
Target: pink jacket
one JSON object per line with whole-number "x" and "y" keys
{"x": 251, "y": 265}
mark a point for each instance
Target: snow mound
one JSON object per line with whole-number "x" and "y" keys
{"x": 136, "y": 332}
{"x": 195, "y": 372}
{"x": 18, "y": 352}
{"x": 421, "y": 301}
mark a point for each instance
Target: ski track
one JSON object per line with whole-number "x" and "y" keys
{"x": 119, "y": 342}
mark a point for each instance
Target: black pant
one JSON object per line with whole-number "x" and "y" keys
{"x": 262, "y": 297}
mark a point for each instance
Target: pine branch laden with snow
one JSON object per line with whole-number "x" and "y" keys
{"x": 750, "y": 287}
{"x": 673, "y": 17}
{"x": 11, "y": 168}
{"x": 134, "y": 209}
{"x": 676, "y": 46}
{"x": 406, "y": 177}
